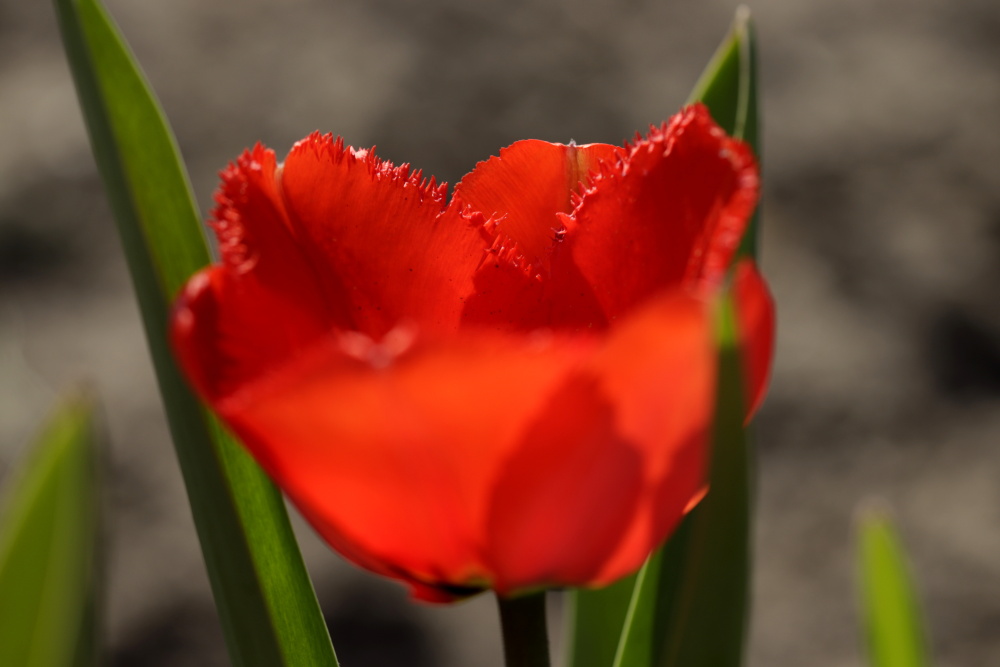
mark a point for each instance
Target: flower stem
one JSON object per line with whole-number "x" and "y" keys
{"x": 525, "y": 636}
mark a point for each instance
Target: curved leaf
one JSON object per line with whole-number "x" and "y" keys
{"x": 689, "y": 604}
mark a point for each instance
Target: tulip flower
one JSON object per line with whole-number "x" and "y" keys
{"x": 512, "y": 388}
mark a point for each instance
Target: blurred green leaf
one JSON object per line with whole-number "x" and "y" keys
{"x": 48, "y": 540}
{"x": 266, "y": 602}
{"x": 689, "y": 602}
{"x": 728, "y": 87}
{"x": 891, "y": 610}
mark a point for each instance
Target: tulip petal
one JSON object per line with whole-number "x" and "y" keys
{"x": 570, "y": 488}
{"x": 615, "y": 459}
{"x": 523, "y": 189}
{"x": 674, "y": 213}
{"x": 396, "y": 462}
{"x": 756, "y": 318}
{"x": 493, "y": 460}
{"x": 390, "y": 247}
{"x": 508, "y": 299}
{"x": 263, "y": 301}
{"x": 521, "y": 192}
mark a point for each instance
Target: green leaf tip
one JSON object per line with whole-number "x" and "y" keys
{"x": 48, "y": 544}
{"x": 892, "y": 616}
{"x": 728, "y": 83}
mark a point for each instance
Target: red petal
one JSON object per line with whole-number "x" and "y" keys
{"x": 234, "y": 321}
{"x": 674, "y": 213}
{"x": 394, "y": 465}
{"x": 522, "y": 191}
{"x": 524, "y": 188}
{"x": 508, "y": 299}
{"x": 493, "y": 460}
{"x": 607, "y": 470}
{"x": 390, "y": 247}
{"x": 756, "y": 318}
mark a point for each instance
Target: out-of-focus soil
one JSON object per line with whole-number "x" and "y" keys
{"x": 881, "y": 242}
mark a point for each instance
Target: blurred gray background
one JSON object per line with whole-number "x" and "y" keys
{"x": 881, "y": 242}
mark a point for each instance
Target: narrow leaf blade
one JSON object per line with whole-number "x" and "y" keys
{"x": 265, "y": 599}
{"x": 704, "y": 586}
{"x": 893, "y": 620}
{"x": 48, "y": 540}
{"x": 670, "y": 618}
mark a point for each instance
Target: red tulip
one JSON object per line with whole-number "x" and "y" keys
{"x": 511, "y": 389}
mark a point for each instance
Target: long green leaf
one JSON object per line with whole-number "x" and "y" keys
{"x": 893, "y": 620}
{"x": 48, "y": 539}
{"x": 711, "y": 547}
{"x": 266, "y": 602}
{"x": 703, "y": 592}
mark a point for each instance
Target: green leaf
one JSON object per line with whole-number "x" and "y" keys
{"x": 690, "y": 601}
{"x": 728, "y": 87}
{"x": 594, "y": 622}
{"x": 48, "y": 539}
{"x": 266, "y": 602}
{"x": 893, "y": 620}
